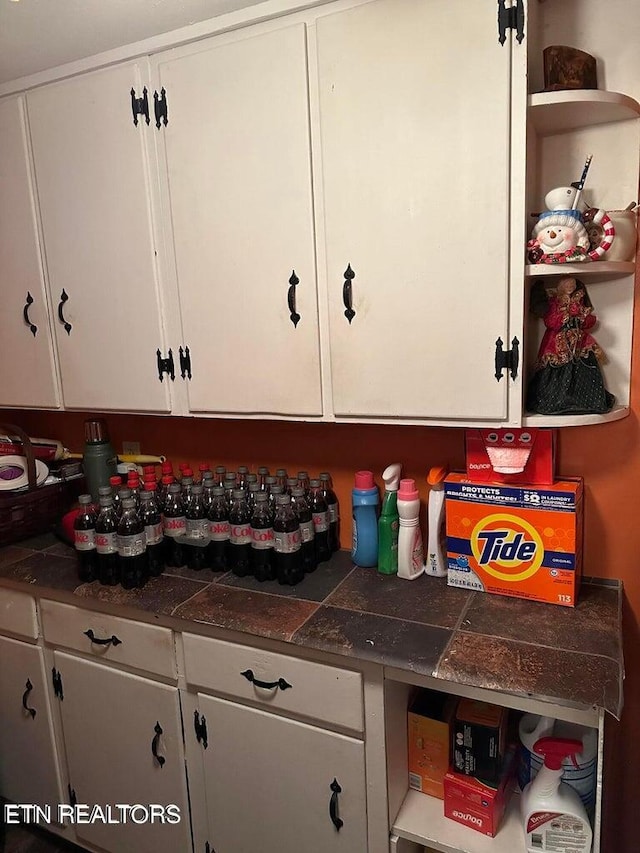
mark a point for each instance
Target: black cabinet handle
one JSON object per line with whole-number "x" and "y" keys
{"x": 347, "y": 294}
{"x": 25, "y": 696}
{"x": 64, "y": 298}
{"x": 154, "y": 745}
{"x": 112, "y": 640}
{"x": 160, "y": 107}
{"x": 266, "y": 685}
{"x": 25, "y": 314}
{"x": 294, "y": 281}
{"x": 333, "y": 805}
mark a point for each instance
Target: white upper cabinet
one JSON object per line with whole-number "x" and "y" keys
{"x": 93, "y": 180}
{"x": 238, "y": 166}
{"x": 26, "y": 347}
{"x": 414, "y": 139}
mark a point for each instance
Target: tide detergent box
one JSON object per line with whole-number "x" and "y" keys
{"x": 429, "y": 724}
{"x": 522, "y": 541}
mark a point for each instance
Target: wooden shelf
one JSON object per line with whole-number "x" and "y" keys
{"x": 616, "y": 414}
{"x": 559, "y": 112}
{"x": 421, "y": 819}
{"x": 604, "y": 270}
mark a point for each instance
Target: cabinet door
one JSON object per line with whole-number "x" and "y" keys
{"x": 109, "y": 721}
{"x": 26, "y": 345}
{"x": 93, "y": 181}
{"x": 268, "y": 783}
{"x": 29, "y": 770}
{"x": 414, "y": 128}
{"x": 238, "y": 165}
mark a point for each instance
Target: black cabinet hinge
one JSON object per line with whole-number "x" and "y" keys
{"x": 200, "y": 726}
{"x": 140, "y": 106}
{"x": 510, "y": 19}
{"x": 185, "y": 362}
{"x": 57, "y": 683}
{"x": 160, "y": 108}
{"x": 165, "y": 365}
{"x": 507, "y": 359}
{"x": 73, "y": 800}
{"x": 208, "y": 848}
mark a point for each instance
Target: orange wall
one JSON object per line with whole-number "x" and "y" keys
{"x": 606, "y": 456}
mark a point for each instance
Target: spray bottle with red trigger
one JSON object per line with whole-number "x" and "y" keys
{"x": 552, "y": 812}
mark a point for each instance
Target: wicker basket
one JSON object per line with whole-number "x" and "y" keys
{"x": 36, "y": 510}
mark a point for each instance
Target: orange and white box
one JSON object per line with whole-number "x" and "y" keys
{"x": 522, "y": 541}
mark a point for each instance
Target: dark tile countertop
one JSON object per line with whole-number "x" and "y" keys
{"x": 572, "y": 656}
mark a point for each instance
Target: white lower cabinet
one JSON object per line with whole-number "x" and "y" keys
{"x": 29, "y": 770}
{"x": 123, "y": 743}
{"x": 278, "y": 785}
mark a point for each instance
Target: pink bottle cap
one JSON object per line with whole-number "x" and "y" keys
{"x": 364, "y": 480}
{"x": 408, "y": 491}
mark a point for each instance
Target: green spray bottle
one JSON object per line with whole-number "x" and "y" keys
{"x": 389, "y": 522}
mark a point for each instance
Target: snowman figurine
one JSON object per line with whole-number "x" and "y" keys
{"x": 565, "y": 233}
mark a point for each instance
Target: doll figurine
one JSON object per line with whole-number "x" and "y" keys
{"x": 567, "y": 378}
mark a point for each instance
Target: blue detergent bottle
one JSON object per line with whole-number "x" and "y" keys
{"x": 364, "y": 500}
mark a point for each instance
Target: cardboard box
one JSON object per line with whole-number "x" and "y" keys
{"x": 523, "y": 541}
{"x": 479, "y": 739}
{"x": 476, "y": 804}
{"x": 429, "y": 724}
{"x": 520, "y": 456}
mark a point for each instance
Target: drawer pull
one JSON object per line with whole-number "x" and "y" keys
{"x": 112, "y": 640}
{"x": 347, "y": 293}
{"x": 64, "y": 298}
{"x": 25, "y": 696}
{"x": 266, "y": 685}
{"x": 333, "y": 805}
{"x": 25, "y": 314}
{"x": 154, "y": 745}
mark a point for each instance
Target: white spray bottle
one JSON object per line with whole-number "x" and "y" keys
{"x": 552, "y": 812}
{"x": 435, "y": 565}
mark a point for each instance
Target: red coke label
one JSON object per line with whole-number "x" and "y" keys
{"x": 307, "y": 531}
{"x": 262, "y": 538}
{"x": 106, "y": 543}
{"x": 153, "y": 533}
{"x": 219, "y": 531}
{"x": 175, "y": 526}
{"x": 240, "y": 534}
{"x": 321, "y": 521}
{"x": 85, "y": 540}
{"x": 287, "y": 543}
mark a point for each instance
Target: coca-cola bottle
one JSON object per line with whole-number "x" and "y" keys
{"x": 263, "y": 473}
{"x": 115, "y": 483}
{"x": 149, "y": 472}
{"x": 154, "y": 539}
{"x": 133, "y": 484}
{"x": 84, "y": 528}
{"x": 219, "y": 475}
{"x": 175, "y": 526}
{"x": 303, "y": 481}
{"x": 104, "y": 492}
{"x": 107, "y": 543}
{"x": 292, "y": 483}
{"x": 166, "y": 469}
{"x": 219, "y": 531}
{"x": 241, "y": 476}
{"x": 253, "y": 490}
{"x": 286, "y": 530}
{"x": 274, "y": 491}
{"x": 249, "y": 479}
{"x": 163, "y": 491}
{"x": 334, "y": 510}
{"x": 197, "y": 530}
{"x": 281, "y": 478}
{"x": 208, "y": 484}
{"x": 240, "y": 534}
{"x": 229, "y": 485}
{"x": 320, "y": 513}
{"x": 132, "y": 548}
{"x": 187, "y": 488}
{"x": 262, "y": 539}
{"x": 123, "y": 495}
{"x": 307, "y": 531}
{"x": 269, "y": 482}
{"x": 203, "y": 468}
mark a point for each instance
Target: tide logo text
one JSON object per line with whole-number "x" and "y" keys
{"x": 499, "y": 545}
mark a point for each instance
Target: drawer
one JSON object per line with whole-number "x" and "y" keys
{"x": 318, "y": 691}
{"x": 147, "y": 647}
{"x": 18, "y": 614}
